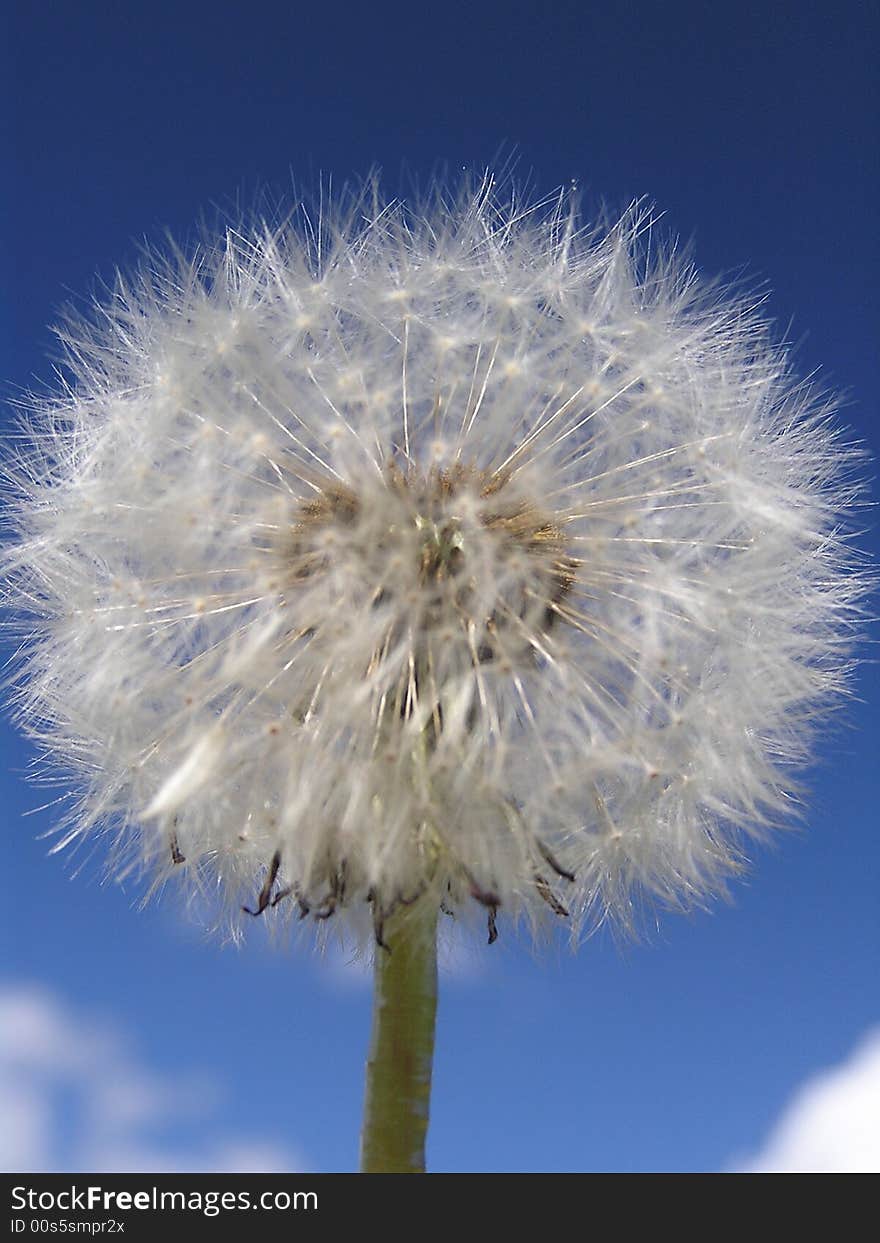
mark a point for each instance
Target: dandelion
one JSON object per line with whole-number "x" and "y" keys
{"x": 460, "y": 559}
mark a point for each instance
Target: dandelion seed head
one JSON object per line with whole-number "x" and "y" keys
{"x": 460, "y": 551}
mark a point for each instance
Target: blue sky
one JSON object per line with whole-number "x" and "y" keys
{"x": 753, "y": 129}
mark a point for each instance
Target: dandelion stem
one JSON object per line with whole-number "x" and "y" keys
{"x": 398, "y": 1088}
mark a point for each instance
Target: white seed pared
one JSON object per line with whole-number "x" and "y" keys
{"x": 457, "y": 551}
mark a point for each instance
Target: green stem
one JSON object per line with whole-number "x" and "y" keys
{"x": 401, "y": 1046}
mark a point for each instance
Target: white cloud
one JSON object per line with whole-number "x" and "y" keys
{"x": 75, "y": 1096}
{"x": 832, "y": 1123}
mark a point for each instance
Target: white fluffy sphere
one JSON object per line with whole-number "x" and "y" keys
{"x": 459, "y": 552}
